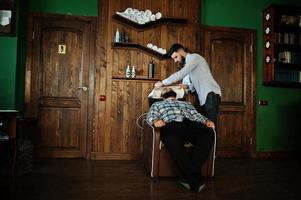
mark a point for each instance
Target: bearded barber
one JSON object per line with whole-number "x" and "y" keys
{"x": 198, "y": 71}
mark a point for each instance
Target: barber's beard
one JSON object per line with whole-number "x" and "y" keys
{"x": 182, "y": 63}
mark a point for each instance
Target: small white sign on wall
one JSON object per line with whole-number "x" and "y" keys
{"x": 62, "y": 49}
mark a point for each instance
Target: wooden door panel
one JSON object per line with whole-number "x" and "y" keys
{"x": 56, "y": 133}
{"x": 226, "y": 67}
{"x": 62, "y": 72}
{"x": 229, "y": 54}
{"x": 230, "y": 130}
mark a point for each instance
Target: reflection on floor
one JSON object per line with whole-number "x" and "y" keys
{"x": 77, "y": 179}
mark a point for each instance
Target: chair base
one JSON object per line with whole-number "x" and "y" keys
{"x": 157, "y": 159}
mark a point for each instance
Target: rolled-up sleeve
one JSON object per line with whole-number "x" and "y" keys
{"x": 179, "y": 75}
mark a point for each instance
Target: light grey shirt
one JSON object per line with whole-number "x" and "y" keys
{"x": 200, "y": 75}
{"x": 186, "y": 81}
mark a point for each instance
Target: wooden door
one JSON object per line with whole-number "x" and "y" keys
{"x": 230, "y": 54}
{"x": 58, "y": 85}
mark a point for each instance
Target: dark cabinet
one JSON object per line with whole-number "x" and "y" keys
{"x": 282, "y": 46}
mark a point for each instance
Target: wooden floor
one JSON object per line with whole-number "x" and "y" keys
{"x": 74, "y": 179}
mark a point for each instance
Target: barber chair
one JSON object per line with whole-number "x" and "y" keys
{"x": 157, "y": 159}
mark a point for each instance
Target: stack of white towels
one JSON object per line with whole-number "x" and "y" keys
{"x": 140, "y": 17}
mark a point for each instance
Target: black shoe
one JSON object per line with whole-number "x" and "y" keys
{"x": 201, "y": 186}
{"x": 184, "y": 184}
{"x": 198, "y": 186}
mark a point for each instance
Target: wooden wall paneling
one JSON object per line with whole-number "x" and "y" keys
{"x": 109, "y": 86}
{"x": 118, "y": 144}
{"x": 113, "y": 120}
{"x": 117, "y": 135}
{"x": 137, "y": 101}
{"x": 100, "y": 77}
{"x": 194, "y": 14}
{"x": 132, "y": 146}
{"x": 138, "y": 4}
{"x": 116, "y": 65}
{"x": 179, "y": 8}
{"x": 125, "y": 110}
{"x": 91, "y": 97}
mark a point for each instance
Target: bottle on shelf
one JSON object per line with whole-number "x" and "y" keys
{"x": 128, "y": 72}
{"x": 123, "y": 36}
{"x": 151, "y": 69}
{"x": 133, "y": 74}
{"x": 117, "y": 36}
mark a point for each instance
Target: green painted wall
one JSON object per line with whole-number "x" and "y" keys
{"x": 278, "y": 124}
{"x": 70, "y": 7}
{"x": 8, "y": 57}
{"x": 8, "y": 49}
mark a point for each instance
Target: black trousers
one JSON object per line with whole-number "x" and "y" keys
{"x": 175, "y": 134}
{"x": 210, "y": 108}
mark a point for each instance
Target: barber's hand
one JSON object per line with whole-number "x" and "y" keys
{"x": 159, "y": 123}
{"x": 210, "y": 124}
{"x": 184, "y": 86}
{"x": 158, "y": 84}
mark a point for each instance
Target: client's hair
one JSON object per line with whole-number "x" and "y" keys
{"x": 168, "y": 93}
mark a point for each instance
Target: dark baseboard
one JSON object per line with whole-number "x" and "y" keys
{"x": 278, "y": 154}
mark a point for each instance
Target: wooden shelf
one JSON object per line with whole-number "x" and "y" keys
{"x": 287, "y": 29}
{"x": 140, "y": 27}
{"x": 135, "y": 79}
{"x": 283, "y": 84}
{"x": 121, "y": 45}
{"x": 287, "y": 47}
{"x": 290, "y": 66}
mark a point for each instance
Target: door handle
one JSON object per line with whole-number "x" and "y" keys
{"x": 83, "y": 88}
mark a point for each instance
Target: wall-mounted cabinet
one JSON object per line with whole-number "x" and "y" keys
{"x": 282, "y": 46}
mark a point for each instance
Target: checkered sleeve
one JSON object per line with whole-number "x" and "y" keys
{"x": 194, "y": 115}
{"x": 153, "y": 114}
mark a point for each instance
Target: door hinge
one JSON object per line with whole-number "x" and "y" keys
{"x": 251, "y": 141}
{"x": 251, "y": 48}
{"x": 33, "y": 35}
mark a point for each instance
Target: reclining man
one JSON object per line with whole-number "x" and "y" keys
{"x": 180, "y": 122}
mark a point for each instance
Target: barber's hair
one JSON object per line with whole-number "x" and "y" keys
{"x": 174, "y": 48}
{"x": 169, "y": 93}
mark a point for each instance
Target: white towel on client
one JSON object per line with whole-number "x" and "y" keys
{"x": 156, "y": 93}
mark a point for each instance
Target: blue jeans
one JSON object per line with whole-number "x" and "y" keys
{"x": 210, "y": 108}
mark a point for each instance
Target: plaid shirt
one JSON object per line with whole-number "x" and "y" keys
{"x": 173, "y": 110}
